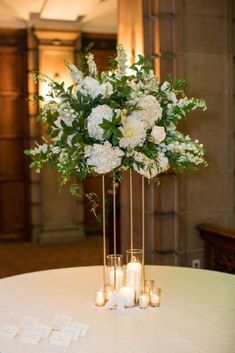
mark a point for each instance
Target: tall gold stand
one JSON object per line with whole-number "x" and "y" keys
{"x": 143, "y": 224}
{"x": 104, "y": 229}
{"x": 114, "y": 233}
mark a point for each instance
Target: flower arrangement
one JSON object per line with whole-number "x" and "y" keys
{"x": 117, "y": 119}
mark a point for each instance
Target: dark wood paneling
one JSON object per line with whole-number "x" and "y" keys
{"x": 11, "y": 158}
{"x": 11, "y": 109}
{"x": 12, "y": 61}
{"x": 13, "y": 135}
{"x": 219, "y": 247}
{"x": 12, "y": 205}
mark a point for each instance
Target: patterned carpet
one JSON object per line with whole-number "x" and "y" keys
{"x": 21, "y": 257}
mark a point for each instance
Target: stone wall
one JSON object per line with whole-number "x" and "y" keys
{"x": 190, "y": 38}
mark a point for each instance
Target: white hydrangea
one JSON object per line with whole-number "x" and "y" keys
{"x": 158, "y": 134}
{"x": 103, "y": 158}
{"x": 133, "y": 132}
{"x": 150, "y": 112}
{"x": 96, "y": 118}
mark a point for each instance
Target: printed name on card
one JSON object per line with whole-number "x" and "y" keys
{"x": 8, "y": 331}
{"x": 62, "y": 320}
{"x": 76, "y": 331}
{"x": 29, "y": 321}
{"x": 60, "y": 338}
{"x": 31, "y": 336}
{"x": 45, "y": 330}
{"x": 84, "y": 327}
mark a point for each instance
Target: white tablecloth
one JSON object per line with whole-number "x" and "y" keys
{"x": 197, "y": 312}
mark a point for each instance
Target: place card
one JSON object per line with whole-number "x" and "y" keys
{"x": 76, "y": 331}
{"x": 31, "y": 336}
{"x": 8, "y": 331}
{"x": 45, "y": 330}
{"x": 29, "y": 321}
{"x": 62, "y": 320}
{"x": 84, "y": 327}
{"x": 61, "y": 338}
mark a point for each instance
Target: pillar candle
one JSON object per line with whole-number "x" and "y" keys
{"x": 99, "y": 298}
{"x": 133, "y": 277}
{"x": 119, "y": 277}
{"x": 128, "y": 295}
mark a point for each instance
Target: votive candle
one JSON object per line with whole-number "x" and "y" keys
{"x": 143, "y": 301}
{"x": 155, "y": 297}
{"x": 99, "y": 298}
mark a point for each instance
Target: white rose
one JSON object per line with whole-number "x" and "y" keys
{"x": 158, "y": 133}
{"x": 106, "y": 89}
{"x": 133, "y": 132}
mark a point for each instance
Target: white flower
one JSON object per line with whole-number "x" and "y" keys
{"x": 75, "y": 73}
{"x": 103, "y": 158}
{"x": 91, "y": 64}
{"x": 148, "y": 172}
{"x": 158, "y": 133}
{"x": 165, "y": 86}
{"x": 172, "y": 97}
{"x": 92, "y": 86}
{"x": 121, "y": 60}
{"x": 163, "y": 162}
{"x": 96, "y": 118}
{"x": 150, "y": 112}
{"x": 133, "y": 132}
{"x": 106, "y": 89}
{"x": 56, "y": 149}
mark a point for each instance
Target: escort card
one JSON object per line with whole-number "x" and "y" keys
{"x": 62, "y": 320}
{"x": 29, "y": 321}
{"x": 8, "y": 331}
{"x": 84, "y": 327}
{"x": 31, "y": 336}
{"x": 76, "y": 331}
{"x": 61, "y": 338}
{"x": 45, "y": 330}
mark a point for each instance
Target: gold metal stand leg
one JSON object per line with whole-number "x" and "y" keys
{"x": 131, "y": 209}
{"x": 104, "y": 229}
{"x": 114, "y": 232}
{"x": 143, "y": 225}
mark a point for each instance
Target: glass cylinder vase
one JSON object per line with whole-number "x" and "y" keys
{"x": 114, "y": 271}
{"x": 134, "y": 270}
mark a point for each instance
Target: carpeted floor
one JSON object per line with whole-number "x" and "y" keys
{"x": 21, "y": 257}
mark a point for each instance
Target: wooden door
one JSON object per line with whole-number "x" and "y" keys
{"x": 13, "y": 129}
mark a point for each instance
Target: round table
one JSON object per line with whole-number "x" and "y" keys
{"x": 197, "y": 312}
